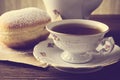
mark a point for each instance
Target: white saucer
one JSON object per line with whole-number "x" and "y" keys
{"x": 47, "y": 52}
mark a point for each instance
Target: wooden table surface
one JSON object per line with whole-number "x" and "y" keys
{"x": 15, "y": 71}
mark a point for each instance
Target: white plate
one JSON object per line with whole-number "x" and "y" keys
{"x": 48, "y": 53}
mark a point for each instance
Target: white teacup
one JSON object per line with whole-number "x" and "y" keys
{"x": 71, "y": 9}
{"x": 79, "y": 46}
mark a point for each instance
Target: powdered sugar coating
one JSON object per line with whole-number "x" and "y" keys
{"x": 24, "y": 17}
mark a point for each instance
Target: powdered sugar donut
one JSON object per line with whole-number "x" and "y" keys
{"x": 22, "y": 27}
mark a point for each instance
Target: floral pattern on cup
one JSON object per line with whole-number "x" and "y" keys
{"x": 51, "y": 45}
{"x": 55, "y": 37}
{"x": 43, "y": 54}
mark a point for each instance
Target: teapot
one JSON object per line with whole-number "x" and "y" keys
{"x": 71, "y": 9}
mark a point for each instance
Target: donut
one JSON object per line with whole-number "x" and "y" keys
{"x": 24, "y": 27}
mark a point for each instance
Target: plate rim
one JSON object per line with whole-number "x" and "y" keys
{"x": 77, "y": 67}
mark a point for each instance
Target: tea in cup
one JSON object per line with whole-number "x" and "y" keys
{"x": 80, "y": 39}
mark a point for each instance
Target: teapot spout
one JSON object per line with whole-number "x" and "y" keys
{"x": 89, "y": 6}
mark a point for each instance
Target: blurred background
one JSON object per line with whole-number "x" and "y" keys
{"x": 107, "y": 6}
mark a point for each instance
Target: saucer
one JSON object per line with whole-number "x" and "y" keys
{"x": 48, "y": 53}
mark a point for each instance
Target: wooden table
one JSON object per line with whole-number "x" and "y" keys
{"x": 15, "y": 71}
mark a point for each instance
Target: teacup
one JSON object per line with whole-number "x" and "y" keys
{"x": 80, "y": 39}
{"x": 71, "y": 9}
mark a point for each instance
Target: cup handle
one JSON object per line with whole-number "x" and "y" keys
{"x": 105, "y": 46}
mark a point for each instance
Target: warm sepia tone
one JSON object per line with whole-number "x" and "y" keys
{"x": 20, "y": 64}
